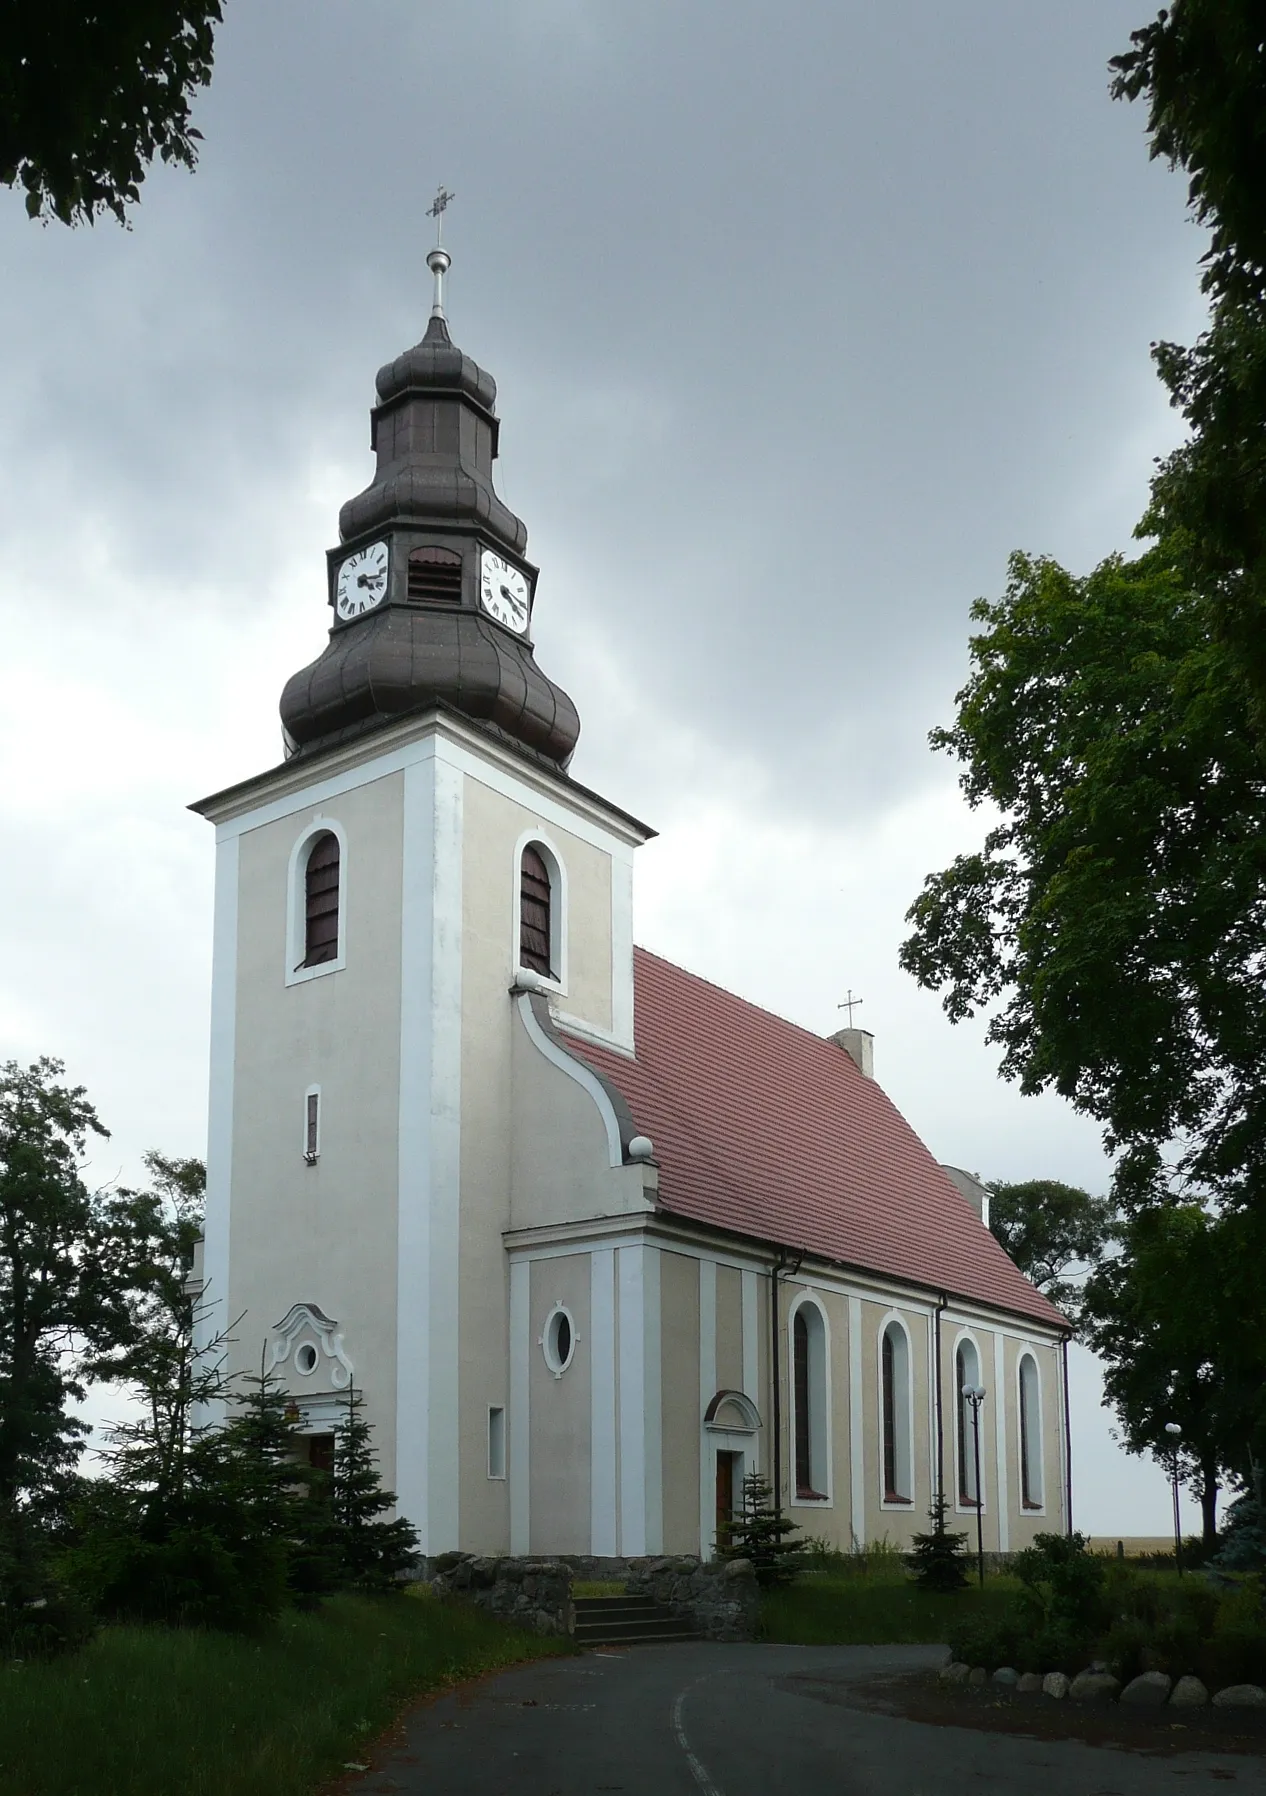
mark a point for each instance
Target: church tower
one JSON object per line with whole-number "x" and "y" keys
{"x": 388, "y": 900}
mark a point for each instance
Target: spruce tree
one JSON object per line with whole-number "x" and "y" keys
{"x": 764, "y": 1536}
{"x": 939, "y": 1557}
{"x": 372, "y": 1552}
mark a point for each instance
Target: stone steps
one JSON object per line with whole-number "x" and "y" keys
{"x": 626, "y": 1621}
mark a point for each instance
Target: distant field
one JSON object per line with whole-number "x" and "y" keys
{"x": 1133, "y": 1543}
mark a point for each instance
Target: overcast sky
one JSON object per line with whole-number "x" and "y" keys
{"x": 803, "y": 316}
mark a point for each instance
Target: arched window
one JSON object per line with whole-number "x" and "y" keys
{"x": 1030, "y": 1434}
{"x": 809, "y": 1403}
{"x": 535, "y": 913}
{"x": 320, "y": 894}
{"x": 966, "y": 1372}
{"x": 894, "y": 1349}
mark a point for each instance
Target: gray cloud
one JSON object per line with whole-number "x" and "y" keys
{"x": 803, "y": 317}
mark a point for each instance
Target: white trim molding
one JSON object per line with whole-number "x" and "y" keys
{"x": 312, "y": 1154}
{"x": 556, "y": 867}
{"x": 641, "y": 1444}
{"x": 296, "y": 901}
{"x": 520, "y": 1414}
{"x": 707, "y": 1385}
{"x": 322, "y": 1332}
{"x": 214, "y": 1310}
{"x": 548, "y": 1341}
{"x": 965, "y": 1336}
{"x": 821, "y": 1448}
{"x": 603, "y": 1507}
{"x": 903, "y": 1428}
{"x": 587, "y": 1081}
{"x": 429, "y": 1150}
{"x": 856, "y": 1427}
{"x": 1000, "y": 1441}
{"x": 1034, "y": 1432}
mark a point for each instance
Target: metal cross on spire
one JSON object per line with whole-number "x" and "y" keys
{"x": 850, "y": 1004}
{"x": 439, "y": 260}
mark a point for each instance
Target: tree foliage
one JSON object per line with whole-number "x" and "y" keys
{"x": 1114, "y": 922}
{"x": 1179, "y": 1320}
{"x": 64, "y": 1277}
{"x": 761, "y": 1534}
{"x": 372, "y": 1552}
{"x": 91, "y": 91}
{"x": 1201, "y": 67}
{"x": 1052, "y": 1231}
{"x": 939, "y": 1558}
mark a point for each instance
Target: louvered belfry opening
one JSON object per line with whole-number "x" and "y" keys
{"x": 435, "y": 577}
{"x": 534, "y": 914}
{"x": 321, "y": 902}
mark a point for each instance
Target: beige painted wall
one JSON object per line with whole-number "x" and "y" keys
{"x": 729, "y": 1329}
{"x": 323, "y": 1233}
{"x": 560, "y": 1409}
{"x": 681, "y": 1400}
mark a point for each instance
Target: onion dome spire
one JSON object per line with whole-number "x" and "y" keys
{"x": 432, "y": 596}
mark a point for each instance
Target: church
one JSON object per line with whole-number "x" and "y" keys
{"x": 594, "y": 1238}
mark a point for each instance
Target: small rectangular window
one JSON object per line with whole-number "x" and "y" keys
{"x": 312, "y": 1127}
{"x": 496, "y": 1441}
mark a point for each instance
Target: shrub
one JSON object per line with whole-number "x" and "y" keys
{"x": 1063, "y": 1586}
{"x": 761, "y": 1534}
{"x": 1243, "y": 1542}
{"x": 938, "y": 1559}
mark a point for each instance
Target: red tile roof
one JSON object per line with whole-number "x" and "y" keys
{"x": 762, "y": 1128}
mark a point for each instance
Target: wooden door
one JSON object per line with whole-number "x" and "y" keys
{"x": 725, "y": 1495}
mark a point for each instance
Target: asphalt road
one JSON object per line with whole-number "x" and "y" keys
{"x": 709, "y": 1720}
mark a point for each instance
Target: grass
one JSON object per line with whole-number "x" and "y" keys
{"x": 873, "y": 1606}
{"x": 597, "y": 1587}
{"x": 156, "y": 1712}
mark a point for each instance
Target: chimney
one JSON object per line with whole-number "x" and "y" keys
{"x": 860, "y": 1043}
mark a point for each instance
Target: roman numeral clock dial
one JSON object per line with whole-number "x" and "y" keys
{"x": 362, "y": 581}
{"x": 504, "y": 592}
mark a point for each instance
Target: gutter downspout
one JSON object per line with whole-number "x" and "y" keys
{"x": 1068, "y": 1442}
{"x": 782, "y": 1263}
{"x": 942, "y": 1304}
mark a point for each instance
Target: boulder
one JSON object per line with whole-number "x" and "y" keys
{"x": 977, "y": 1675}
{"x": 1094, "y": 1686}
{"x": 1188, "y": 1693}
{"x": 1241, "y": 1696}
{"x": 1055, "y": 1683}
{"x": 1030, "y": 1683}
{"x": 956, "y": 1672}
{"x": 1147, "y": 1691}
{"x": 1006, "y": 1675}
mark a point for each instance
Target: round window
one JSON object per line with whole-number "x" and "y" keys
{"x": 559, "y": 1340}
{"x": 306, "y": 1358}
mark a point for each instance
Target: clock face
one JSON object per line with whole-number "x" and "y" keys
{"x": 362, "y": 581}
{"x": 504, "y": 592}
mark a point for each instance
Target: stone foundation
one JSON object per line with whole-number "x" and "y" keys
{"x": 720, "y": 1598}
{"x": 533, "y": 1594}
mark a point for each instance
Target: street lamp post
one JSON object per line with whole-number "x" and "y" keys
{"x": 975, "y": 1395}
{"x": 1174, "y": 1431}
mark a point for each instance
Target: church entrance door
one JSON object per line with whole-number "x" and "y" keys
{"x": 726, "y": 1463}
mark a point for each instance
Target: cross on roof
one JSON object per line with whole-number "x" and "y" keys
{"x": 849, "y": 1004}
{"x": 437, "y": 210}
